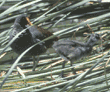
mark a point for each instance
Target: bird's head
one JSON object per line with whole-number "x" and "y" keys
{"x": 93, "y": 39}
{"x": 23, "y": 20}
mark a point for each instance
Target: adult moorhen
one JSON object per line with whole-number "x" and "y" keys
{"x": 31, "y": 36}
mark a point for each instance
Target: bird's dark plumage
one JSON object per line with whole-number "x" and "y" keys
{"x": 31, "y": 36}
{"x": 71, "y": 50}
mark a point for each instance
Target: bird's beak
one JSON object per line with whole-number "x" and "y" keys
{"x": 29, "y": 21}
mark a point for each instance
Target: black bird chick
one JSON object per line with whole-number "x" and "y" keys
{"x": 71, "y": 50}
{"x": 31, "y": 36}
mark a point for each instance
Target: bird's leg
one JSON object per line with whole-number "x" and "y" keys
{"x": 63, "y": 66}
{"x": 72, "y": 69}
{"x": 35, "y": 62}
